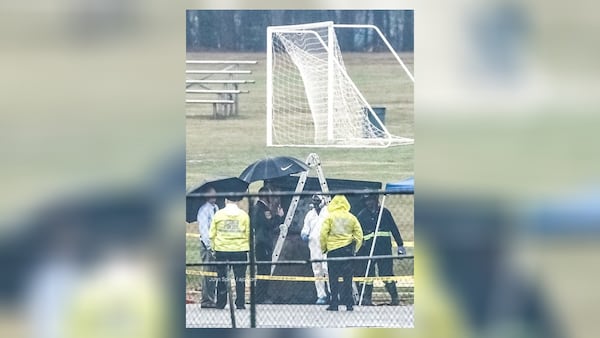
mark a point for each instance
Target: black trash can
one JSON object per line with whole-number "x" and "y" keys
{"x": 380, "y": 112}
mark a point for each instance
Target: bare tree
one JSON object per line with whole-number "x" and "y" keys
{"x": 408, "y": 31}
{"x": 379, "y": 21}
{"x": 245, "y": 30}
{"x": 226, "y": 30}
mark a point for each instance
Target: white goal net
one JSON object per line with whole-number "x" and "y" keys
{"x": 311, "y": 99}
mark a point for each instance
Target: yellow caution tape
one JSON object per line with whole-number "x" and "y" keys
{"x": 406, "y": 244}
{"x": 402, "y": 279}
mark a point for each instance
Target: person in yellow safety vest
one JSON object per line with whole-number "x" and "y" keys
{"x": 230, "y": 239}
{"x": 341, "y": 236}
{"x": 383, "y": 246}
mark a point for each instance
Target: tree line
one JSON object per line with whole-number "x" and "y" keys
{"x": 245, "y": 30}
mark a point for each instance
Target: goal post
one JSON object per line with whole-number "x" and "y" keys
{"x": 311, "y": 99}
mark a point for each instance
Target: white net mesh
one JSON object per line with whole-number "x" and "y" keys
{"x": 301, "y": 92}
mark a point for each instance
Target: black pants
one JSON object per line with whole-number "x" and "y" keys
{"x": 239, "y": 272}
{"x": 263, "y": 253}
{"x": 385, "y": 267}
{"x": 342, "y": 269}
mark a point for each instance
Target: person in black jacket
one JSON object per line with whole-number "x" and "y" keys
{"x": 266, "y": 224}
{"x": 383, "y": 246}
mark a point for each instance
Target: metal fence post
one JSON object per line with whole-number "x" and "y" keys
{"x": 252, "y": 269}
{"x": 230, "y": 294}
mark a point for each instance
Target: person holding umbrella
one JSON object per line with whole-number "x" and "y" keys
{"x": 341, "y": 236}
{"x": 266, "y": 223}
{"x": 383, "y": 245}
{"x": 201, "y": 206}
{"x": 205, "y": 215}
{"x": 267, "y": 214}
{"x": 230, "y": 238}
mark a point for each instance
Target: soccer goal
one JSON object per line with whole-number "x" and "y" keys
{"x": 311, "y": 99}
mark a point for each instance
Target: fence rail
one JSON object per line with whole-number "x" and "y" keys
{"x": 300, "y": 262}
{"x": 224, "y": 62}
{"x": 307, "y": 193}
{"x": 220, "y": 81}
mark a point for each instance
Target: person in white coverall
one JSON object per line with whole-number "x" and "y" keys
{"x": 311, "y": 232}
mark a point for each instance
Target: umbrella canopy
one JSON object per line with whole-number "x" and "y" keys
{"x": 407, "y": 185}
{"x": 193, "y": 203}
{"x": 272, "y": 167}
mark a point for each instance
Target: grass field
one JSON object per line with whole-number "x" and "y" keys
{"x": 225, "y": 147}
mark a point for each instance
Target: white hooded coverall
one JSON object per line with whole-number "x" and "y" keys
{"x": 312, "y": 229}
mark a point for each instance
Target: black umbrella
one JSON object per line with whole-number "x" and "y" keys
{"x": 193, "y": 203}
{"x": 272, "y": 167}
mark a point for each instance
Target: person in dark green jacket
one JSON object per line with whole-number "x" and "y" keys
{"x": 383, "y": 246}
{"x": 266, "y": 223}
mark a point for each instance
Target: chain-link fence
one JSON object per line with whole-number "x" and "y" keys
{"x": 292, "y": 289}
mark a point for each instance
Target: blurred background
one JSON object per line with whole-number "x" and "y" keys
{"x": 506, "y": 209}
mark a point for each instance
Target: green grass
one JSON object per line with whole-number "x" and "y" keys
{"x": 226, "y": 147}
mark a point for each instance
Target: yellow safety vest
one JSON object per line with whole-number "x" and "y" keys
{"x": 230, "y": 230}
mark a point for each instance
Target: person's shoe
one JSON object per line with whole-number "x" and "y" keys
{"x": 208, "y": 305}
{"x": 332, "y": 308}
{"x": 240, "y": 307}
{"x": 321, "y": 301}
{"x": 367, "y": 303}
{"x": 391, "y": 289}
{"x": 349, "y": 308}
{"x": 220, "y": 307}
